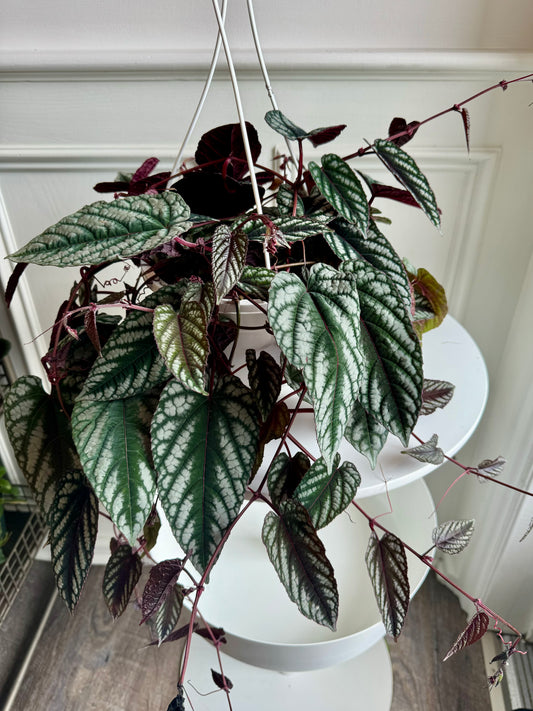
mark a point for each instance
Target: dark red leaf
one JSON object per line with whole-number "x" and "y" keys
{"x": 178, "y": 702}
{"x": 474, "y": 631}
{"x": 217, "y": 632}
{"x": 324, "y": 135}
{"x": 466, "y": 125}
{"x": 111, "y": 187}
{"x": 221, "y": 681}
{"x": 215, "y": 195}
{"x": 13, "y": 281}
{"x": 224, "y": 145}
{"x": 391, "y": 193}
{"x": 145, "y": 169}
{"x": 92, "y": 330}
{"x": 159, "y": 585}
{"x": 435, "y": 394}
{"x": 121, "y": 575}
{"x": 400, "y": 126}
{"x": 180, "y": 633}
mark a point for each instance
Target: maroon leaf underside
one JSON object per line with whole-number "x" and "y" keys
{"x": 121, "y": 575}
{"x": 399, "y": 125}
{"x": 220, "y": 680}
{"x": 159, "y": 585}
{"x": 13, "y": 281}
{"x": 223, "y": 146}
{"x": 324, "y": 135}
{"x": 474, "y": 631}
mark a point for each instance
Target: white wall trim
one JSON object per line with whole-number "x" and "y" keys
{"x": 105, "y": 65}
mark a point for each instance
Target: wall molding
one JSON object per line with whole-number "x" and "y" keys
{"x": 157, "y": 64}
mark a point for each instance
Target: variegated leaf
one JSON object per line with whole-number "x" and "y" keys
{"x": 318, "y": 328}
{"x": 365, "y": 433}
{"x": 474, "y": 631}
{"x": 73, "y": 521}
{"x": 435, "y": 394}
{"x": 204, "y": 447}
{"x": 300, "y": 560}
{"x": 391, "y": 385}
{"x": 41, "y": 438}
{"x": 406, "y": 171}
{"x": 491, "y": 466}
{"x": 453, "y": 536}
{"x": 168, "y": 614}
{"x": 161, "y": 581}
{"x": 284, "y": 475}
{"x": 106, "y": 231}
{"x": 340, "y": 186}
{"x": 327, "y": 494}
{"x": 130, "y": 363}
{"x": 387, "y": 566}
{"x": 228, "y": 258}
{"x": 255, "y": 282}
{"x": 264, "y": 376}
{"x": 284, "y": 126}
{"x": 287, "y": 227}
{"x": 182, "y": 341}
{"x": 349, "y": 243}
{"x": 285, "y": 201}
{"x": 112, "y": 439}
{"x": 121, "y": 575}
{"x": 427, "y": 452}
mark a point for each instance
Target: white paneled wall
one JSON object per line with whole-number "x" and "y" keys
{"x": 90, "y": 88}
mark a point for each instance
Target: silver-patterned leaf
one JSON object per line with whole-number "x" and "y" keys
{"x": 265, "y": 378}
{"x": 286, "y": 227}
{"x": 255, "y": 282}
{"x": 349, "y": 243}
{"x": 112, "y": 439}
{"x": 204, "y": 447}
{"x": 365, "y": 433}
{"x": 284, "y": 475}
{"x": 228, "y": 258}
{"x": 342, "y": 189}
{"x": 406, "y": 171}
{"x": 453, "y": 536}
{"x": 73, "y": 521}
{"x": 182, "y": 341}
{"x": 284, "y": 126}
{"x": 121, "y": 575}
{"x": 41, "y": 438}
{"x": 474, "y": 631}
{"x": 325, "y": 494}
{"x": 387, "y": 566}
{"x": 168, "y": 614}
{"x": 318, "y": 328}
{"x": 106, "y": 231}
{"x": 300, "y": 560}
{"x": 391, "y": 385}
{"x": 161, "y": 581}
{"x": 435, "y": 394}
{"x": 427, "y": 452}
{"x": 285, "y": 201}
{"x": 491, "y": 466}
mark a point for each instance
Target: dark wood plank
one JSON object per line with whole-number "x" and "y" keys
{"x": 422, "y": 681}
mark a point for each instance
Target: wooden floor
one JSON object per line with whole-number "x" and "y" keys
{"x": 89, "y": 663}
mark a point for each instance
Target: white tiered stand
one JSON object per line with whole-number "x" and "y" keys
{"x": 265, "y": 629}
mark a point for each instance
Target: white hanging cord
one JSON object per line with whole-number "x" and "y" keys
{"x": 205, "y": 92}
{"x": 246, "y": 142}
{"x": 264, "y": 70}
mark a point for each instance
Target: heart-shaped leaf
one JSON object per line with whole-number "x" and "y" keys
{"x": 391, "y": 386}
{"x": 453, "y": 536}
{"x": 106, "y": 231}
{"x": 427, "y": 452}
{"x": 299, "y": 557}
{"x": 435, "y": 394}
{"x": 112, "y": 438}
{"x": 406, "y": 171}
{"x": 73, "y": 521}
{"x": 365, "y": 433}
{"x": 41, "y": 438}
{"x": 474, "y": 631}
{"x": 387, "y": 566}
{"x": 121, "y": 575}
{"x": 327, "y": 494}
{"x": 228, "y": 258}
{"x": 340, "y": 186}
{"x": 284, "y": 475}
{"x": 204, "y": 447}
{"x": 318, "y": 328}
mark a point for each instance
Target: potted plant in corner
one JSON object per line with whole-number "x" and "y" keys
{"x": 148, "y": 404}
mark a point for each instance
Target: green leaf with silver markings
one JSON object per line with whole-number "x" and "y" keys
{"x": 284, "y": 475}
{"x": 326, "y": 494}
{"x": 265, "y": 378}
{"x": 256, "y": 281}
{"x": 318, "y": 328}
{"x": 285, "y": 201}
{"x": 106, "y": 231}
{"x": 300, "y": 560}
{"x": 182, "y": 341}
{"x": 287, "y": 227}
{"x": 112, "y": 438}
{"x": 228, "y": 258}
{"x": 342, "y": 189}
{"x": 204, "y": 448}
{"x": 168, "y": 614}
{"x": 41, "y": 438}
{"x": 349, "y": 243}
{"x": 284, "y": 126}
{"x": 391, "y": 385}
{"x": 121, "y": 575}
{"x": 406, "y": 171}
{"x": 73, "y": 522}
{"x": 365, "y": 433}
